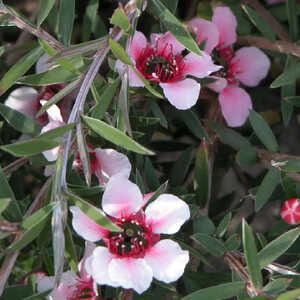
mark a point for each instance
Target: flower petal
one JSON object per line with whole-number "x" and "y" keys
{"x": 86, "y": 227}
{"x": 235, "y": 104}
{"x": 139, "y": 42}
{"x": 226, "y": 22}
{"x": 166, "y": 214}
{"x": 182, "y": 94}
{"x": 24, "y": 100}
{"x": 250, "y": 65}
{"x": 205, "y": 31}
{"x": 217, "y": 85}
{"x": 166, "y": 42}
{"x": 53, "y": 112}
{"x": 134, "y": 80}
{"x": 131, "y": 273}
{"x": 167, "y": 260}
{"x": 199, "y": 66}
{"x": 88, "y": 251}
{"x": 121, "y": 197}
{"x": 111, "y": 163}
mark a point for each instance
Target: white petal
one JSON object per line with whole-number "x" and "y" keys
{"x": 131, "y": 273}
{"x": 166, "y": 214}
{"x": 88, "y": 251}
{"x": 53, "y": 112}
{"x": 121, "y": 197}
{"x": 167, "y": 260}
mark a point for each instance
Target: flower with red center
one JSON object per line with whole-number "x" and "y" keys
{"x": 133, "y": 256}
{"x": 105, "y": 163}
{"x": 161, "y": 61}
{"x": 248, "y": 65}
{"x": 71, "y": 286}
{"x": 290, "y": 211}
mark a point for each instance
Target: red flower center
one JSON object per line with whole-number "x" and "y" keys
{"x": 135, "y": 238}
{"x": 84, "y": 290}
{"x": 160, "y": 66}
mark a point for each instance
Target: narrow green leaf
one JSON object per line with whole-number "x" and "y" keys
{"x": 38, "y": 296}
{"x": 293, "y": 100}
{"x": 115, "y": 136}
{"x": 119, "y": 52}
{"x": 90, "y": 19}
{"x": 292, "y": 165}
{"x": 19, "y": 69}
{"x": 291, "y": 295}
{"x": 45, "y": 8}
{"x": 287, "y": 77}
{"x": 19, "y": 121}
{"x": 70, "y": 250}
{"x": 66, "y": 18}
{"x": 291, "y": 8}
{"x": 224, "y": 224}
{"x": 30, "y": 147}
{"x": 159, "y": 114}
{"x": 151, "y": 175}
{"x": 57, "y": 132}
{"x": 94, "y": 213}
{"x": 277, "y": 286}
{"x": 161, "y": 189}
{"x": 263, "y": 131}
{"x": 267, "y": 187}
{"x": 277, "y": 247}
{"x": 247, "y": 156}
{"x": 203, "y": 224}
{"x": 120, "y": 19}
{"x": 261, "y": 24}
{"x": 171, "y": 5}
{"x": 162, "y": 13}
{"x": 233, "y": 242}
{"x": 250, "y": 251}
{"x": 4, "y": 202}
{"x": 217, "y": 292}
{"x": 213, "y": 246}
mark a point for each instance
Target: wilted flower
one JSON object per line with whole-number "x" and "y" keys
{"x": 135, "y": 255}
{"x": 71, "y": 286}
{"x": 162, "y": 61}
{"x": 248, "y": 65}
{"x": 290, "y": 211}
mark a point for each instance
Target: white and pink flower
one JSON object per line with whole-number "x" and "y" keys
{"x": 105, "y": 163}
{"x": 161, "y": 61}
{"x": 135, "y": 255}
{"x": 248, "y": 65}
{"x": 71, "y": 286}
{"x": 290, "y": 211}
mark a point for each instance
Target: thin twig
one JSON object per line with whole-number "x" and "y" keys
{"x": 15, "y": 165}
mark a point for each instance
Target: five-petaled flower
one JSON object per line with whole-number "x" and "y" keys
{"x": 290, "y": 211}
{"x": 248, "y": 65}
{"x": 161, "y": 61}
{"x": 133, "y": 256}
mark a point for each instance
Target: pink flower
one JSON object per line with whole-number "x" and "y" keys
{"x": 105, "y": 163}
{"x": 248, "y": 65}
{"x": 161, "y": 61}
{"x": 135, "y": 255}
{"x": 71, "y": 287}
{"x": 290, "y": 211}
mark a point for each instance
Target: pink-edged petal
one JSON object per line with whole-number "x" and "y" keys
{"x": 199, "y": 66}
{"x": 134, "y": 80}
{"x": 88, "y": 251}
{"x": 121, "y": 197}
{"x": 111, "y": 162}
{"x": 167, "y": 260}
{"x": 166, "y": 43}
{"x": 235, "y": 105}
{"x": 53, "y": 112}
{"x": 139, "y": 42}
{"x": 250, "y": 65}
{"x": 24, "y": 100}
{"x": 182, "y": 94}
{"x": 98, "y": 266}
{"x": 166, "y": 214}
{"x": 86, "y": 227}
{"x": 226, "y": 22}
{"x": 205, "y": 31}
{"x": 218, "y": 85}
{"x": 131, "y": 273}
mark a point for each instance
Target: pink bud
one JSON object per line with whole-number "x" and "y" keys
{"x": 290, "y": 211}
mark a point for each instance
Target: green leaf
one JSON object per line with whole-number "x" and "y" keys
{"x": 293, "y": 100}
{"x": 57, "y": 132}
{"x": 287, "y": 77}
{"x": 94, "y": 213}
{"x": 292, "y": 165}
{"x": 263, "y": 131}
{"x": 19, "y": 121}
{"x": 4, "y": 202}
{"x": 291, "y": 8}
{"x": 162, "y": 13}
{"x": 213, "y": 246}
{"x": 115, "y": 136}
{"x": 267, "y": 187}
{"x": 252, "y": 260}
{"x": 66, "y": 18}
{"x": 90, "y": 19}
{"x": 45, "y": 8}
{"x": 16, "y": 292}
{"x": 159, "y": 114}
{"x": 150, "y": 175}
{"x": 247, "y": 156}
{"x": 119, "y": 52}
{"x": 233, "y": 242}
{"x": 277, "y": 247}
{"x": 277, "y": 286}
{"x": 54, "y": 76}
{"x": 161, "y": 189}
{"x": 120, "y": 19}
{"x": 217, "y": 292}
{"x": 30, "y": 147}
{"x": 261, "y": 24}
{"x": 19, "y": 69}
{"x": 291, "y": 295}
{"x": 223, "y": 226}
{"x": 203, "y": 224}
{"x": 70, "y": 250}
